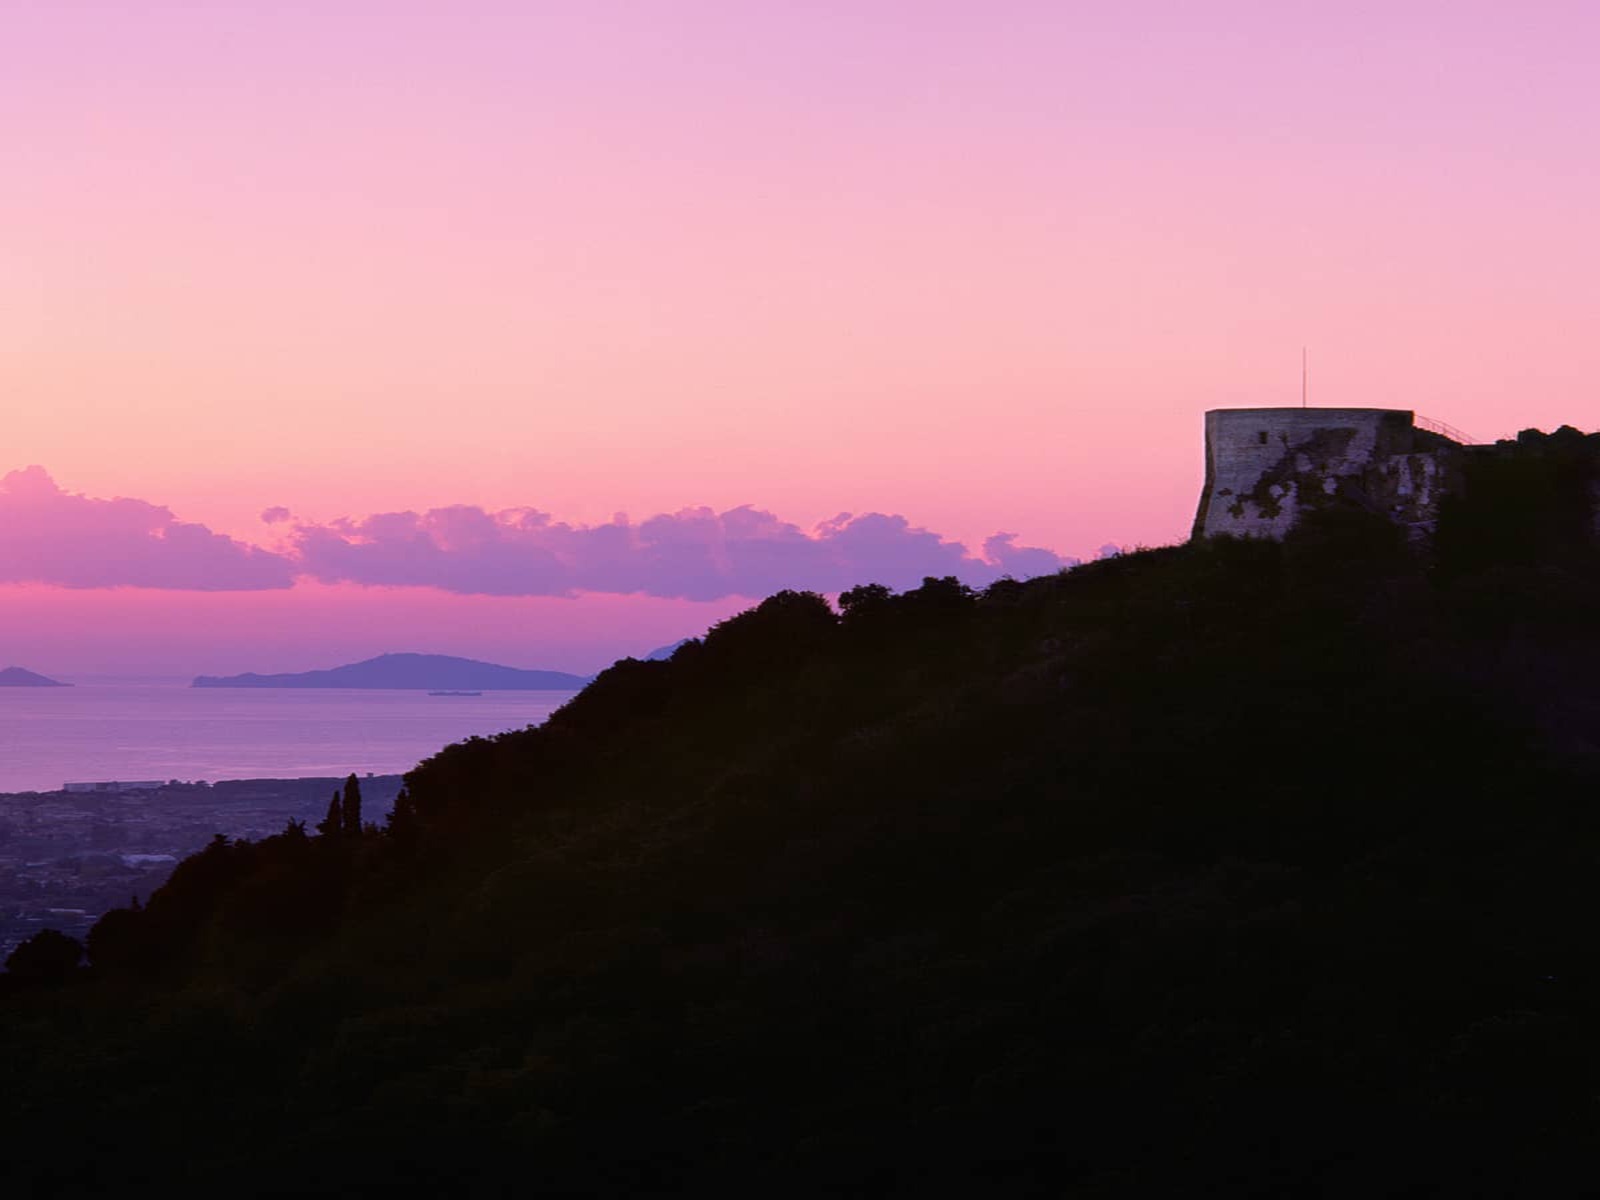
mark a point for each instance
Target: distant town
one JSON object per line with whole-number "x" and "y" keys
{"x": 68, "y": 856}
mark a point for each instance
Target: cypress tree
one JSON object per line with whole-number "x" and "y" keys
{"x": 352, "y": 807}
{"x": 329, "y": 825}
{"x": 402, "y": 825}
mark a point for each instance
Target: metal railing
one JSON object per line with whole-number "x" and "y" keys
{"x": 1443, "y": 430}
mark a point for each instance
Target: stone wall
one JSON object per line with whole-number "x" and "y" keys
{"x": 1265, "y": 466}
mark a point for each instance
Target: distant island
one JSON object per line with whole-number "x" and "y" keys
{"x": 17, "y": 677}
{"x": 419, "y": 672}
{"x": 662, "y": 653}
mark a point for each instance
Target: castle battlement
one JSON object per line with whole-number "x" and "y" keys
{"x": 1265, "y": 466}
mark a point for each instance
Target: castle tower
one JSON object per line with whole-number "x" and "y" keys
{"x": 1265, "y": 466}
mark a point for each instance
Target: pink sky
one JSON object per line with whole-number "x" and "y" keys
{"x": 983, "y": 265}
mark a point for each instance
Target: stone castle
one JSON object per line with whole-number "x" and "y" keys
{"x": 1265, "y": 466}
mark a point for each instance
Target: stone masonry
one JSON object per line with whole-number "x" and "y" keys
{"x": 1265, "y": 466}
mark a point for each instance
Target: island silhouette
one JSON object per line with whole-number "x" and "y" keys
{"x": 408, "y": 672}
{"x": 18, "y": 677}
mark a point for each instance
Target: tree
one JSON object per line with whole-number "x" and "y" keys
{"x": 352, "y": 807}
{"x": 866, "y": 601}
{"x": 49, "y": 956}
{"x": 940, "y": 599}
{"x": 329, "y": 826}
{"x": 118, "y": 939}
{"x": 785, "y": 628}
{"x": 402, "y": 823}
{"x": 866, "y": 612}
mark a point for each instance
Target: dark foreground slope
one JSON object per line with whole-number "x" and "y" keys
{"x": 1234, "y": 869}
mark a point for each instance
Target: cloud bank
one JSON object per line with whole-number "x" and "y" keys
{"x": 51, "y": 536}
{"x": 693, "y": 554}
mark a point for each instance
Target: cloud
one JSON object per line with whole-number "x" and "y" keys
{"x": 1022, "y": 562}
{"x": 56, "y": 537}
{"x": 692, "y": 554}
{"x": 51, "y": 536}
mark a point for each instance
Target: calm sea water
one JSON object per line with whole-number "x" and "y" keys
{"x": 170, "y": 731}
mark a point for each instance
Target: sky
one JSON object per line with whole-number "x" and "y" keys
{"x": 544, "y": 332}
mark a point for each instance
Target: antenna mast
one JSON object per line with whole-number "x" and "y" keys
{"x": 1302, "y": 376}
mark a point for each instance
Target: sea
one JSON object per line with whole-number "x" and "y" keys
{"x": 164, "y": 730}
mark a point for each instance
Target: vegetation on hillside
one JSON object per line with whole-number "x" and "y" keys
{"x": 1245, "y": 866}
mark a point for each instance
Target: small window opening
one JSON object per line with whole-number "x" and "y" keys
{"x": 1262, "y": 437}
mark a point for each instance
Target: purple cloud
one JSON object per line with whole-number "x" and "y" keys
{"x": 51, "y": 536}
{"x": 56, "y": 537}
{"x": 693, "y": 554}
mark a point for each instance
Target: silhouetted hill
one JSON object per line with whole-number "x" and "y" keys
{"x": 17, "y": 677}
{"x": 409, "y": 671}
{"x": 1238, "y": 868}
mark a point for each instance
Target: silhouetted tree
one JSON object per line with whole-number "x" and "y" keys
{"x": 118, "y": 938}
{"x": 784, "y": 628}
{"x": 351, "y": 808}
{"x": 402, "y": 822}
{"x": 867, "y": 614}
{"x": 49, "y": 956}
{"x": 867, "y": 595}
{"x": 331, "y": 824}
{"x": 938, "y": 600}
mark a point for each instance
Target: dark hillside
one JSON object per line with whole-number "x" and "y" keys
{"x": 1236, "y": 868}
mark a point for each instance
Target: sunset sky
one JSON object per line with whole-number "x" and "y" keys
{"x": 504, "y": 271}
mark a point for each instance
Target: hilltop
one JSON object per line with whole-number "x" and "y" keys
{"x": 17, "y": 677}
{"x": 1241, "y": 867}
{"x": 408, "y": 671}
